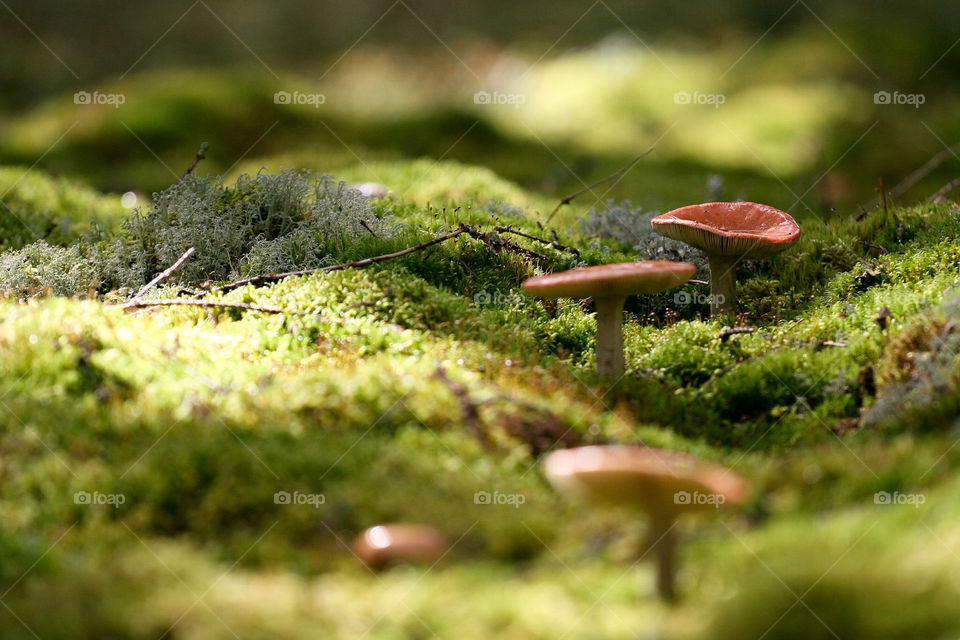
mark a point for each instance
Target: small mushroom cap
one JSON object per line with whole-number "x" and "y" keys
{"x": 612, "y": 280}
{"x": 659, "y": 482}
{"x": 384, "y": 545}
{"x": 730, "y": 228}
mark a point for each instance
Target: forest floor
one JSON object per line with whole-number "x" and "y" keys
{"x": 141, "y": 450}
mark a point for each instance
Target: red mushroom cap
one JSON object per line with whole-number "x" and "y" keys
{"x": 612, "y": 280}
{"x": 730, "y": 228}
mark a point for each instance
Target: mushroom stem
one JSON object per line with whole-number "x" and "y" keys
{"x": 723, "y": 285}
{"x": 609, "y": 336}
{"x": 662, "y": 541}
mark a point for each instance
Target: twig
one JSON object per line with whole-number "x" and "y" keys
{"x": 275, "y": 277}
{"x": 925, "y": 170}
{"x": 496, "y": 243}
{"x": 550, "y": 243}
{"x": 492, "y": 240}
{"x": 568, "y": 199}
{"x": 365, "y": 226}
{"x": 717, "y": 374}
{"x": 201, "y": 154}
{"x": 468, "y": 408}
{"x": 732, "y": 331}
{"x": 870, "y": 245}
{"x": 883, "y": 194}
{"x": 944, "y": 190}
{"x": 194, "y": 302}
{"x": 166, "y": 273}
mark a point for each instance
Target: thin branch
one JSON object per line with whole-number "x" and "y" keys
{"x": 468, "y": 408}
{"x": 732, "y": 331}
{"x": 550, "y": 243}
{"x": 622, "y": 170}
{"x": 275, "y": 277}
{"x": 944, "y": 190}
{"x": 365, "y": 226}
{"x": 201, "y": 154}
{"x": 497, "y": 243}
{"x": 925, "y": 170}
{"x": 166, "y": 273}
{"x": 194, "y": 302}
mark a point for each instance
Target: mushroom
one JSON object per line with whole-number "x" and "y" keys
{"x": 727, "y": 232}
{"x": 663, "y": 484}
{"x": 609, "y": 285}
{"x": 388, "y": 544}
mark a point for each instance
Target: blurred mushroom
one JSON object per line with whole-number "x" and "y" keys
{"x": 662, "y": 484}
{"x": 384, "y": 545}
{"x": 609, "y": 285}
{"x": 728, "y": 232}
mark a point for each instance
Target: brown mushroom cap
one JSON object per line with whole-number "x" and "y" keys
{"x": 609, "y": 280}
{"x": 383, "y": 545}
{"x": 645, "y": 478}
{"x": 730, "y": 228}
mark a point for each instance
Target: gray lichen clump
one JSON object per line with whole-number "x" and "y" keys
{"x": 630, "y": 226}
{"x": 264, "y": 223}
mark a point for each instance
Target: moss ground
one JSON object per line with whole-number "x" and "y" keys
{"x": 197, "y": 418}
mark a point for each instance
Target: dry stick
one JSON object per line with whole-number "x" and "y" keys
{"x": 622, "y": 170}
{"x": 925, "y": 170}
{"x": 468, "y": 408}
{"x": 194, "y": 302}
{"x": 496, "y": 243}
{"x": 550, "y": 243}
{"x": 201, "y": 154}
{"x": 166, "y": 273}
{"x": 275, "y": 277}
{"x": 732, "y": 331}
{"x": 944, "y": 190}
{"x": 489, "y": 239}
{"x": 365, "y": 226}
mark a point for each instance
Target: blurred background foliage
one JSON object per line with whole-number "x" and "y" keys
{"x": 798, "y": 125}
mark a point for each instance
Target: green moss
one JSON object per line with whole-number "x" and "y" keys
{"x": 35, "y": 206}
{"x": 198, "y": 417}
